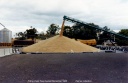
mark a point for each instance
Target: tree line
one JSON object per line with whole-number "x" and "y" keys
{"x": 77, "y": 31}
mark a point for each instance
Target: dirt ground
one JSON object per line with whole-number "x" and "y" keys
{"x": 70, "y": 68}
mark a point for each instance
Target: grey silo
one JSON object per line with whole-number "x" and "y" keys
{"x": 5, "y": 36}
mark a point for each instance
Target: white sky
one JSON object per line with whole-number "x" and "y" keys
{"x": 19, "y": 15}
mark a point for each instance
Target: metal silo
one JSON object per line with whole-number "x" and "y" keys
{"x": 5, "y": 36}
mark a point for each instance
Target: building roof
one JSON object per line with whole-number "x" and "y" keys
{"x": 5, "y": 29}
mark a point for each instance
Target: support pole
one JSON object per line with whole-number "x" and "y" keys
{"x": 62, "y": 28}
{"x": 114, "y": 38}
{"x": 2, "y": 25}
{"x": 4, "y": 51}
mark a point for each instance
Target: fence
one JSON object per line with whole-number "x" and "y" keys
{"x": 6, "y": 44}
{"x": 5, "y": 51}
{"x": 116, "y": 48}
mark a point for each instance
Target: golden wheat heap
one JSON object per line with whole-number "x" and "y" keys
{"x": 59, "y": 44}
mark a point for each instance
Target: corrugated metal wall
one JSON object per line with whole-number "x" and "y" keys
{"x": 5, "y": 36}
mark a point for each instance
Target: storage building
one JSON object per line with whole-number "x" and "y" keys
{"x": 5, "y": 36}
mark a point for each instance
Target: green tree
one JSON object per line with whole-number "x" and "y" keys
{"x": 31, "y": 33}
{"x": 78, "y": 31}
{"x": 53, "y": 29}
{"x": 122, "y": 41}
{"x": 84, "y": 31}
{"x": 124, "y": 32}
{"x": 68, "y": 31}
{"x": 105, "y": 35}
{"x": 20, "y": 36}
{"x": 92, "y": 32}
{"x": 42, "y": 36}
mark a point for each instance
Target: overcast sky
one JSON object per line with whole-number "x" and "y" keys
{"x": 18, "y": 15}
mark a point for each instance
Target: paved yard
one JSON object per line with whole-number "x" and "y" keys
{"x": 70, "y": 68}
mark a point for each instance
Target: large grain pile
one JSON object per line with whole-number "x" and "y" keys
{"x": 59, "y": 44}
